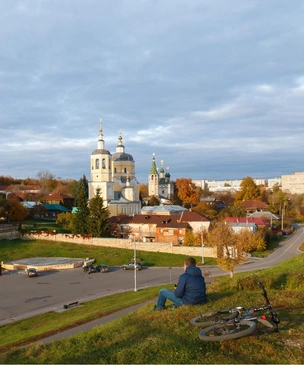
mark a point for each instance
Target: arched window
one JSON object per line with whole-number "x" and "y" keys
{"x": 114, "y": 170}
{"x": 97, "y": 163}
{"x": 103, "y": 163}
{"x": 125, "y": 170}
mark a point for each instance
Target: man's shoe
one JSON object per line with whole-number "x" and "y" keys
{"x": 158, "y": 308}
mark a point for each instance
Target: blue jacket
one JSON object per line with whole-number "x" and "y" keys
{"x": 191, "y": 287}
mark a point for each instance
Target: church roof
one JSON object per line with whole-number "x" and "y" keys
{"x": 158, "y": 209}
{"x": 122, "y": 157}
{"x": 101, "y": 152}
{"x": 153, "y": 167}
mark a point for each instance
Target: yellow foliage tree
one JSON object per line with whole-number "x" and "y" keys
{"x": 232, "y": 248}
{"x": 187, "y": 191}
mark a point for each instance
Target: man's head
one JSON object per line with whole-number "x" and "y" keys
{"x": 190, "y": 261}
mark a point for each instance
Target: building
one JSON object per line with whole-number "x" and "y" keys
{"x": 293, "y": 183}
{"x": 115, "y": 176}
{"x": 158, "y": 227}
{"x": 159, "y": 183}
{"x": 276, "y": 181}
{"x": 251, "y": 206}
{"x": 243, "y": 221}
{"x": 56, "y": 198}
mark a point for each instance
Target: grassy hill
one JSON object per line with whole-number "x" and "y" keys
{"x": 167, "y": 337}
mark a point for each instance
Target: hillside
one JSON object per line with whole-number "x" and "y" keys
{"x": 145, "y": 336}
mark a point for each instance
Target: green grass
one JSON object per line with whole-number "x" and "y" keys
{"x": 167, "y": 337}
{"x": 19, "y": 249}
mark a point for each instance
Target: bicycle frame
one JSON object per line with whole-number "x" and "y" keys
{"x": 238, "y": 323}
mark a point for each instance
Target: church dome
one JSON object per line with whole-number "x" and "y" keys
{"x": 101, "y": 152}
{"x": 122, "y": 157}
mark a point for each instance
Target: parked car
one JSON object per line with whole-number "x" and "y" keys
{"x": 102, "y": 268}
{"x": 89, "y": 269}
{"x": 32, "y": 272}
{"x": 132, "y": 266}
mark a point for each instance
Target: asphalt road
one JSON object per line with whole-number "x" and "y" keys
{"x": 21, "y": 296}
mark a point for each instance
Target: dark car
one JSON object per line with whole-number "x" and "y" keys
{"x": 102, "y": 268}
{"x": 132, "y": 266}
{"x": 89, "y": 269}
{"x": 32, "y": 272}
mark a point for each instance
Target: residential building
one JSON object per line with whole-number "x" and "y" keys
{"x": 251, "y": 206}
{"x": 274, "y": 181}
{"x": 57, "y": 198}
{"x": 158, "y": 228}
{"x": 243, "y": 221}
{"x": 293, "y": 183}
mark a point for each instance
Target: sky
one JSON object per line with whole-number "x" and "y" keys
{"x": 214, "y": 88}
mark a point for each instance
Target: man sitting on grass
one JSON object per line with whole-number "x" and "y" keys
{"x": 191, "y": 288}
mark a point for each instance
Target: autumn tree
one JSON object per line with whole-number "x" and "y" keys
{"x": 206, "y": 210}
{"x": 47, "y": 181}
{"x": 187, "y": 191}
{"x": 249, "y": 191}
{"x": 143, "y": 191}
{"x": 4, "y": 206}
{"x": 65, "y": 219}
{"x": 98, "y": 216}
{"x": 16, "y": 211}
{"x": 153, "y": 201}
{"x": 232, "y": 248}
{"x": 192, "y": 238}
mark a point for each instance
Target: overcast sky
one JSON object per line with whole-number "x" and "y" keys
{"x": 215, "y": 88}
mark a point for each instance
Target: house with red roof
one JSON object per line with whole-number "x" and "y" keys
{"x": 251, "y": 206}
{"x": 158, "y": 228}
{"x": 260, "y": 222}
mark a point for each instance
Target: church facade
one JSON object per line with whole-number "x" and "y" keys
{"x": 114, "y": 175}
{"x": 159, "y": 183}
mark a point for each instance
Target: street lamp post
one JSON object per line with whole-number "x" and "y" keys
{"x": 135, "y": 266}
{"x": 203, "y": 258}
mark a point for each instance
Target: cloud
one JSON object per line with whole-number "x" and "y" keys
{"x": 215, "y": 89}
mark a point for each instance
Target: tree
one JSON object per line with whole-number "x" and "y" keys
{"x": 192, "y": 239}
{"x": 65, "y": 219}
{"x": 47, "y": 181}
{"x": 143, "y": 191}
{"x": 187, "y": 191}
{"x": 153, "y": 201}
{"x": 81, "y": 218}
{"x": 82, "y": 184}
{"x": 16, "y": 211}
{"x": 98, "y": 216}
{"x": 249, "y": 191}
{"x": 206, "y": 210}
{"x": 4, "y": 207}
{"x": 232, "y": 248}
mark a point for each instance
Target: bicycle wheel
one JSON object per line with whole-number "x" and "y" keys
{"x": 227, "y": 331}
{"x": 212, "y": 318}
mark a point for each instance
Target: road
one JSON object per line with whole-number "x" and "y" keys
{"x": 21, "y": 296}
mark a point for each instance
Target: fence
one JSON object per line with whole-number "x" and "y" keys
{"x": 123, "y": 243}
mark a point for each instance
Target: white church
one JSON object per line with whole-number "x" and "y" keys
{"x": 114, "y": 175}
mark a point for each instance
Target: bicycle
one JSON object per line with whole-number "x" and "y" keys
{"x": 239, "y": 322}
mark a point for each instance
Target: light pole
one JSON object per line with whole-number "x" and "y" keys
{"x": 135, "y": 266}
{"x": 203, "y": 259}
